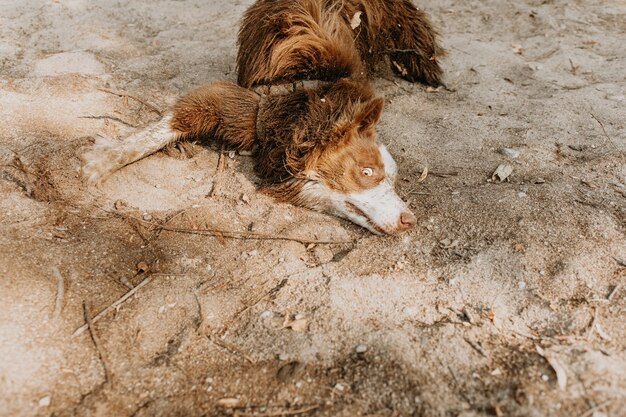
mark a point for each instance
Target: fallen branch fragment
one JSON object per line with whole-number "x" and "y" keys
{"x": 225, "y": 234}
{"x": 105, "y": 117}
{"x": 137, "y": 99}
{"x": 96, "y": 342}
{"x": 424, "y": 175}
{"x": 219, "y": 172}
{"x": 231, "y": 348}
{"x": 592, "y": 411}
{"x": 248, "y": 235}
{"x": 477, "y": 347}
{"x": 273, "y": 291}
{"x": 281, "y": 413}
{"x": 606, "y": 135}
{"x": 58, "y": 302}
{"x": 101, "y": 314}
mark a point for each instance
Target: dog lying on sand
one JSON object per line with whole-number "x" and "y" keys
{"x": 304, "y": 105}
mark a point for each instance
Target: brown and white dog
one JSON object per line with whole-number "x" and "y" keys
{"x": 304, "y": 105}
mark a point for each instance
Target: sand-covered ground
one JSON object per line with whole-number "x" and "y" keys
{"x": 507, "y": 299}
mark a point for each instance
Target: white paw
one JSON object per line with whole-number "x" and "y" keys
{"x": 101, "y": 161}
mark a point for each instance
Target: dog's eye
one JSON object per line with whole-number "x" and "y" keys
{"x": 368, "y": 172}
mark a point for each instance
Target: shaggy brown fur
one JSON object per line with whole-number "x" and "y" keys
{"x": 312, "y": 129}
{"x": 313, "y": 39}
{"x": 303, "y": 135}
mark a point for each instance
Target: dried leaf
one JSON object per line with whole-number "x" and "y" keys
{"x": 299, "y": 325}
{"x": 356, "y": 20}
{"x": 502, "y": 173}
{"x": 142, "y": 267}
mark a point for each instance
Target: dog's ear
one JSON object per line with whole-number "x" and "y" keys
{"x": 369, "y": 114}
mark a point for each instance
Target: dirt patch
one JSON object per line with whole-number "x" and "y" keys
{"x": 443, "y": 321}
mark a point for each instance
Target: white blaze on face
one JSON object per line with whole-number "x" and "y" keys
{"x": 378, "y": 209}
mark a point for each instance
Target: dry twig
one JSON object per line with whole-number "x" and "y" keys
{"x": 248, "y": 235}
{"x": 592, "y": 410}
{"x": 101, "y": 314}
{"x": 105, "y": 117}
{"x": 424, "y": 175}
{"x": 274, "y": 290}
{"x": 222, "y": 234}
{"x": 231, "y": 348}
{"x": 58, "y": 302}
{"x": 281, "y": 413}
{"x": 96, "y": 342}
{"x": 477, "y": 347}
{"x": 221, "y": 163}
{"x": 137, "y": 99}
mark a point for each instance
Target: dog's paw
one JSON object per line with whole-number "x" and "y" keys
{"x": 100, "y": 161}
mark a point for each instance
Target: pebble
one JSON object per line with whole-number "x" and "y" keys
{"x": 147, "y": 217}
{"x": 283, "y": 357}
{"x": 361, "y": 349}
{"x": 545, "y": 377}
{"x": 511, "y": 152}
{"x": 411, "y": 311}
{"x": 44, "y": 402}
{"x": 266, "y": 314}
{"x": 522, "y": 194}
{"x": 521, "y": 285}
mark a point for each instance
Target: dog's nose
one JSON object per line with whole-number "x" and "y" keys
{"x": 407, "y": 220}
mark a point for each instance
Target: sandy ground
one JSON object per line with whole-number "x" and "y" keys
{"x": 508, "y": 299}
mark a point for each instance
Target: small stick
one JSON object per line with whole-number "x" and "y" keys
{"x": 615, "y": 290}
{"x": 231, "y": 348}
{"x": 248, "y": 235}
{"x": 124, "y": 94}
{"x": 424, "y": 175}
{"x": 96, "y": 342}
{"x": 592, "y": 410}
{"x": 592, "y": 325}
{"x": 221, "y": 234}
{"x": 602, "y": 126}
{"x": 257, "y": 301}
{"x": 101, "y": 314}
{"x": 444, "y": 174}
{"x": 115, "y": 119}
{"x": 221, "y": 162}
{"x": 58, "y": 302}
{"x": 282, "y": 413}
{"x": 477, "y": 347}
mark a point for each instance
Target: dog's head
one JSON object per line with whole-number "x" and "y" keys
{"x": 354, "y": 177}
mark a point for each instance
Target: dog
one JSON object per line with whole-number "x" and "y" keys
{"x": 304, "y": 105}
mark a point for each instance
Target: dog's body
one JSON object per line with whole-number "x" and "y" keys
{"x": 304, "y": 104}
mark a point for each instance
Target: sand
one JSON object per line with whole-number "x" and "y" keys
{"x": 507, "y": 299}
